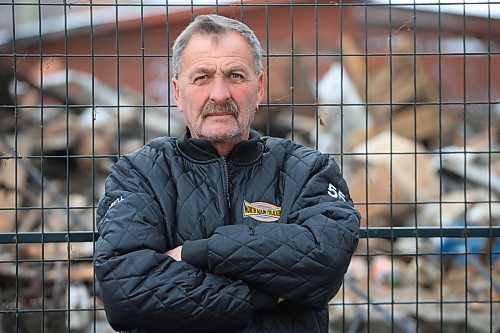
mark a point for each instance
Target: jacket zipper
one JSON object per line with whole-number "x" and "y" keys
{"x": 225, "y": 171}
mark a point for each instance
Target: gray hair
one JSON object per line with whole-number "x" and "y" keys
{"x": 215, "y": 24}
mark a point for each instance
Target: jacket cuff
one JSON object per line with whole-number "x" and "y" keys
{"x": 195, "y": 252}
{"x": 262, "y": 301}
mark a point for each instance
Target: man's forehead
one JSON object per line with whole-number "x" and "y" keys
{"x": 199, "y": 56}
{"x": 214, "y": 38}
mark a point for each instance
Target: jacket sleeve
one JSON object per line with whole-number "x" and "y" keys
{"x": 303, "y": 260}
{"x": 140, "y": 286}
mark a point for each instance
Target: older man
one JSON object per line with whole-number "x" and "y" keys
{"x": 222, "y": 230}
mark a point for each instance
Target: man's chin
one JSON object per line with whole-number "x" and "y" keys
{"x": 222, "y": 136}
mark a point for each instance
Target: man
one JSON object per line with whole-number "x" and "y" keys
{"x": 222, "y": 230}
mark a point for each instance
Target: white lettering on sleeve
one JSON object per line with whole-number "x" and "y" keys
{"x": 117, "y": 200}
{"x": 335, "y": 192}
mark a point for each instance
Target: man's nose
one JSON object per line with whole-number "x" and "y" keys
{"x": 220, "y": 91}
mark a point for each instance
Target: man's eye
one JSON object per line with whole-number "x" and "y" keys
{"x": 200, "y": 78}
{"x": 236, "y": 76}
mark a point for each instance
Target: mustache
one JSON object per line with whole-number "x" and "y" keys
{"x": 212, "y": 108}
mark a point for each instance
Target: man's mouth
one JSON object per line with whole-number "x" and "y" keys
{"x": 219, "y": 114}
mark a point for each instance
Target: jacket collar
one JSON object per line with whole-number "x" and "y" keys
{"x": 244, "y": 152}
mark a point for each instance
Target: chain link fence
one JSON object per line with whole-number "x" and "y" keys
{"x": 404, "y": 95}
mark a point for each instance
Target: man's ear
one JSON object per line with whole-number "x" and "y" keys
{"x": 260, "y": 88}
{"x": 175, "y": 85}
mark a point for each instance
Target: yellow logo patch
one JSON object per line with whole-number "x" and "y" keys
{"x": 261, "y": 211}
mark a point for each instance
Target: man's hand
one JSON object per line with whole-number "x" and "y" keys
{"x": 175, "y": 253}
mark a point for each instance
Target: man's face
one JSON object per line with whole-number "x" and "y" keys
{"x": 217, "y": 88}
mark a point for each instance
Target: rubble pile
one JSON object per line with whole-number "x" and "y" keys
{"x": 411, "y": 161}
{"x": 56, "y": 148}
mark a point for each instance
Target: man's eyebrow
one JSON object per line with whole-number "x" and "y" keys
{"x": 234, "y": 68}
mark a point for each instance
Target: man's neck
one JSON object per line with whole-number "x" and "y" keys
{"x": 223, "y": 148}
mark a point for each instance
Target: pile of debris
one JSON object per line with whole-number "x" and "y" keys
{"x": 56, "y": 148}
{"x": 411, "y": 161}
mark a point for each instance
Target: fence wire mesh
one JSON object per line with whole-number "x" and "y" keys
{"x": 404, "y": 95}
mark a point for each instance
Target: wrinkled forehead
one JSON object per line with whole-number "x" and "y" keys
{"x": 211, "y": 47}
{"x": 216, "y": 37}
{"x": 229, "y": 42}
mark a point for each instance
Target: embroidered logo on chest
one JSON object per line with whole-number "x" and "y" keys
{"x": 261, "y": 211}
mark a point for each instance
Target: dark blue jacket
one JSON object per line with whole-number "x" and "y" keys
{"x": 272, "y": 220}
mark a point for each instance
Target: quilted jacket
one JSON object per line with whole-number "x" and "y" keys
{"x": 271, "y": 221}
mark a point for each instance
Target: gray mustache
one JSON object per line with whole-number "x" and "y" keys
{"x": 212, "y": 108}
